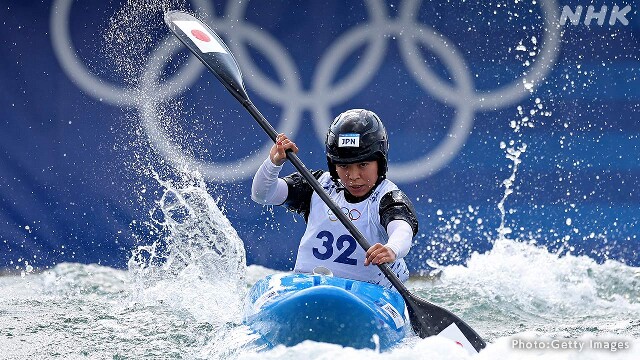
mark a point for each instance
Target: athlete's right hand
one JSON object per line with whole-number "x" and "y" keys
{"x": 278, "y": 153}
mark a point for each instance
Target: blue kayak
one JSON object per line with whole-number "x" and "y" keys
{"x": 290, "y": 308}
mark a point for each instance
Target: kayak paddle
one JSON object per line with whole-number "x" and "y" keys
{"x": 427, "y": 319}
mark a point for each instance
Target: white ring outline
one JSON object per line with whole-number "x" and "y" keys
{"x": 320, "y": 105}
{"x": 83, "y": 78}
{"x": 222, "y": 172}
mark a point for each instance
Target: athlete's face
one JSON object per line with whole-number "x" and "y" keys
{"x": 358, "y": 178}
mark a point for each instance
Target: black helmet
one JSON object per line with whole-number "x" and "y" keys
{"x": 357, "y": 135}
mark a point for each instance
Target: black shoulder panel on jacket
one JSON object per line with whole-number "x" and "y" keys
{"x": 299, "y": 197}
{"x": 395, "y": 205}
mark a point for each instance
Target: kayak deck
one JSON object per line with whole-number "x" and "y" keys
{"x": 291, "y": 308}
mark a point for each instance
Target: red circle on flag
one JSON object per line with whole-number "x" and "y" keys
{"x": 200, "y": 35}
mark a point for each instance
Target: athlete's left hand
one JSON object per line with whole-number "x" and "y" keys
{"x": 379, "y": 254}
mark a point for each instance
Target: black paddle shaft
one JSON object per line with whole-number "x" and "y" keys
{"x": 427, "y": 319}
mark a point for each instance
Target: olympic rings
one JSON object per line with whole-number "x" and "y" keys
{"x": 352, "y": 214}
{"x": 325, "y": 92}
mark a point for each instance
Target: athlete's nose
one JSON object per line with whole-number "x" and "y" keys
{"x": 353, "y": 173}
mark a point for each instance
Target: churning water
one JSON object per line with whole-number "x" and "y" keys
{"x": 183, "y": 297}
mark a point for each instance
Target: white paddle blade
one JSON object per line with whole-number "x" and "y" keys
{"x": 207, "y": 46}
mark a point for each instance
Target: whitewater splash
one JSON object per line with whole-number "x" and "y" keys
{"x": 196, "y": 266}
{"x": 195, "y": 244}
{"x": 517, "y": 291}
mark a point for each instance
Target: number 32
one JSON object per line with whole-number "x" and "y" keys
{"x": 327, "y": 246}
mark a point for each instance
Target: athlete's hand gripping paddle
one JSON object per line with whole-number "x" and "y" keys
{"x": 427, "y": 319}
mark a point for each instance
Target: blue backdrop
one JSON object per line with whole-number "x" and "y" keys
{"x": 88, "y": 89}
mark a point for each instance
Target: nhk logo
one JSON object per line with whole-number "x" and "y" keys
{"x": 616, "y": 15}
